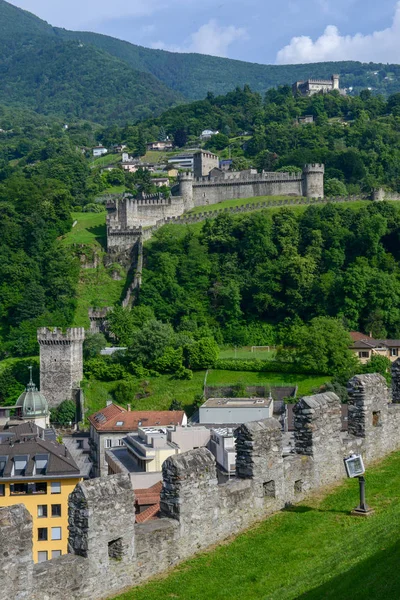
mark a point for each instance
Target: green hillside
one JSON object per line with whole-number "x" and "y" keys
{"x": 88, "y": 75}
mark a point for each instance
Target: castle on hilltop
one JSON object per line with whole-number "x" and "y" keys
{"x": 314, "y": 86}
{"x": 128, "y": 215}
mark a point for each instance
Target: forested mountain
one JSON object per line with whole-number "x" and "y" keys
{"x": 83, "y": 74}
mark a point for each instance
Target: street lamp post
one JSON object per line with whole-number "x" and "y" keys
{"x": 354, "y": 465}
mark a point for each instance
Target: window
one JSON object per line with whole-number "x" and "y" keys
{"x": 119, "y": 423}
{"x": 41, "y": 461}
{"x": 42, "y": 534}
{"x": 121, "y": 442}
{"x": 3, "y": 462}
{"x": 376, "y": 419}
{"x": 2, "y": 489}
{"x": 56, "y": 533}
{"x": 298, "y": 486}
{"x": 55, "y": 487}
{"x": 269, "y": 489}
{"x": 39, "y": 488}
{"x": 107, "y": 443}
{"x": 42, "y": 510}
{"x": 115, "y": 549}
{"x": 56, "y": 510}
{"x": 363, "y": 354}
{"x": 18, "y": 489}
{"x": 20, "y": 463}
{"x": 56, "y": 553}
{"x": 393, "y": 352}
{"x": 42, "y": 556}
{"x": 79, "y": 444}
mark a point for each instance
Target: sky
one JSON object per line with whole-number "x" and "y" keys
{"x": 263, "y": 31}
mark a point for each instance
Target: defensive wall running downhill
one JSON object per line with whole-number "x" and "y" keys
{"x": 110, "y": 552}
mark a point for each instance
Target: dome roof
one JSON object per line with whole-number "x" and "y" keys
{"x": 32, "y": 402}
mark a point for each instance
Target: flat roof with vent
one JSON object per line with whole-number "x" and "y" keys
{"x": 237, "y": 403}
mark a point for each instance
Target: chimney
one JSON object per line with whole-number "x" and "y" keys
{"x": 109, "y": 402}
{"x": 129, "y": 407}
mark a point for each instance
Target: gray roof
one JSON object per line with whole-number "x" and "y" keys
{"x": 30, "y": 440}
{"x": 32, "y": 402}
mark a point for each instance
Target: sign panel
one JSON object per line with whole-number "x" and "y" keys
{"x": 354, "y": 465}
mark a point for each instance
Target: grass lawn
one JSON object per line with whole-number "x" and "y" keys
{"x": 163, "y": 389}
{"x": 96, "y": 287}
{"x": 246, "y": 353}
{"x": 240, "y": 202}
{"x": 312, "y": 551}
{"x": 106, "y": 159}
{"x": 90, "y": 229}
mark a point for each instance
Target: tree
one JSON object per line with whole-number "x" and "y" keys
{"x": 322, "y": 346}
{"x": 202, "y": 354}
{"x": 64, "y": 414}
{"x": 180, "y": 137}
{"x": 334, "y": 187}
{"x": 176, "y": 405}
{"x": 121, "y": 323}
{"x": 93, "y": 344}
{"x": 150, "y": 342}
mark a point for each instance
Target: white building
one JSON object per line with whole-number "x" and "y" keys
{"x": 99, "y": 151}
{"x": 207, "y": 134}
{"x": 222, "y": 445}
{"x": 225, "y": 411}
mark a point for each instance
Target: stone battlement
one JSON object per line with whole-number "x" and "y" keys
{"x": 46, "y": 335}
{"x": 110, "y": 552}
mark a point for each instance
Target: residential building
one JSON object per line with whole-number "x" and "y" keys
{"x": 147, "y": 449}
{"x": 207, "y": 134}
{"x": 222, "y": 445}
{"x": 306, "y": 120}
{"x": 37, "y": 471}
{"x": 365, "y": 347}
{"x": 235, "y": 410}
{"x": 161, "y": 146}
{"x": 182, "y": 161}
{"x": 109, "y": 427}
{"x": 99, "y": 151}
{"x": 134, "y": 165}
{"x": 160, "y": 181}
{"x": 225, "y": 164}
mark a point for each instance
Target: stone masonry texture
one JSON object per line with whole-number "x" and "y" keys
{"x": 110, "y": 552}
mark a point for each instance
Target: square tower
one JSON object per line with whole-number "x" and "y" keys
{"x": 61, "y": 363}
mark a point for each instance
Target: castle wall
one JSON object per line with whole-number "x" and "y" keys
{"x": 214, "y": 191}
{"x": 61, "y": 363}
{"x": 111, "y": 553}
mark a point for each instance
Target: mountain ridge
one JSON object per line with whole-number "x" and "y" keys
{"x": 107, "y": 80}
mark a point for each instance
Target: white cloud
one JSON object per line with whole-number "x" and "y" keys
{"x": 379, "y": 46}
{"x": 210, "y": 38}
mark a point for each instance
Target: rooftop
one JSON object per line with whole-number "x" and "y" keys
{"x": 39, "y": 457}
{"x": 114, "y": 418}
{"x": 237, "y": 403}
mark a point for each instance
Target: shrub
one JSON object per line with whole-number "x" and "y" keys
{"x": 202, "y": 354}
{"x": 170, "y": 361}
{"x": 104, "y": 369}
{"x": 183, "y": 373}
{"x": 64, "y": 414}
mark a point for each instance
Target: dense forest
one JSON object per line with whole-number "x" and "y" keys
{"x": 87, "y": 75}
{"x": 246, "y": 278}
{"x": 357, "y": 138}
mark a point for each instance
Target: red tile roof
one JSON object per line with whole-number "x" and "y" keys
{"x": 106, "y": 420}
{"x": 150, "y": 495}
{"x": 356, "y": 336}
{"x": 148, "y": 514}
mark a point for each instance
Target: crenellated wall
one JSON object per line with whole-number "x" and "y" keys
{"x": 110, "y": 553}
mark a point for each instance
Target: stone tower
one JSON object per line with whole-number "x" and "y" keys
{"x": 335, "y": 82}
{"x": 186, "y": 189}
{"x": 313, "y": 181}
{"x": 61, "y": 363}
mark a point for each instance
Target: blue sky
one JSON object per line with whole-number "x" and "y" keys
{"x": 264, "y": 31}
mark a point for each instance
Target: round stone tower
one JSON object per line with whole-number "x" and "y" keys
{"x": 61, "y": 363}
{"x": 313, "y": 180}
{"x": 186, "y": 189}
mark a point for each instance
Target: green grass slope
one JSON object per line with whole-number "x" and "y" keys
{"x": 312, "y": 551}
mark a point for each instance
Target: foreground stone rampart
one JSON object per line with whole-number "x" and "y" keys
{"x": 110, "y": 553}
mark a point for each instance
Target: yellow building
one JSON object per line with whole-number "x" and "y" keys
{"x": 40, "y": 473}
